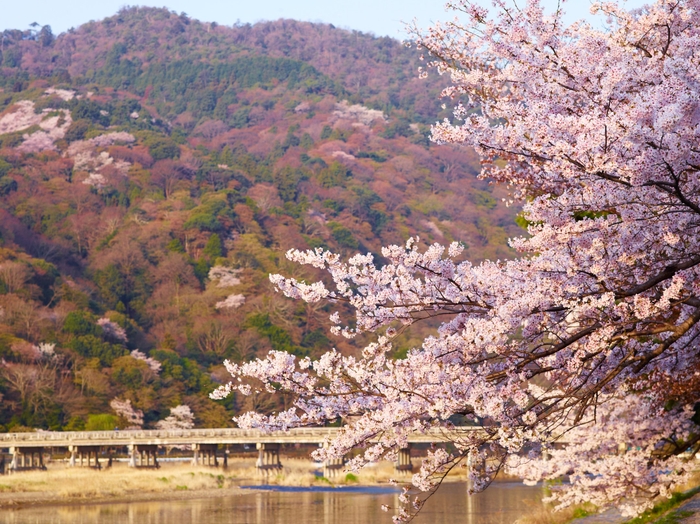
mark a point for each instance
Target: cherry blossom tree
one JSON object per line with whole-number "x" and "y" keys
{"x": 153, "y": 364}
{"x": 46, "y": 350}
{"x": 128, "y": 413}
{"x": 225, "y": 276}
{"x": 112, "y": 329}
{"x": 584, "y": 349}
{"x": 231, "y": 302}
{"x": 181, "y": 417}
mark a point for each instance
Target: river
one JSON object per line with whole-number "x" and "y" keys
{"x": 502, "y": 503}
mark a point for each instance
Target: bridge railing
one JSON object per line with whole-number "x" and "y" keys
{"x": 148, "y": 434}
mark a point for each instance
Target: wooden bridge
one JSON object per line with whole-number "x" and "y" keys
{"x": 27, "y": 449}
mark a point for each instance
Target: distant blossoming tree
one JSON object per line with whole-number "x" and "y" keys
{"x": 231, "y": 302}
{"x": 590, "y": 337}
{"x": 95, "y": 180}
{"x": 153, "y": 364}
{"x": 46, "y": 349}
{"x": 225, "y": 276}
{"x": 124, "y": 410}
{"x": 181, "y": 417}
{"x": 21, "y": 116}
{"x": 112, "y": 329}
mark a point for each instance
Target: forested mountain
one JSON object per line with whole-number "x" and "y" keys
{"x": 154, "y": 170}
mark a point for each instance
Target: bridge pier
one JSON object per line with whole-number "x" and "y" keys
{"x": 85, "y": 453}
{"x": 403, "y": 461}
{"x": 26, "y": 458}
{"x": 205, "y": 455}
{"x": 333, "y": 466}
{"x": 143, "y": 456}
{"x": 268, "y": 457}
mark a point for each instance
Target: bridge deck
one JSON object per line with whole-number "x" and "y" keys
{"x": 197, "y": 436}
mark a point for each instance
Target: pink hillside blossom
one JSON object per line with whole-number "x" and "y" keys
{"x": 181, "y": 417}
{"x": 124, "y": 409}
{"x": 112, "y": 329}
{"x": 152, "y": 362}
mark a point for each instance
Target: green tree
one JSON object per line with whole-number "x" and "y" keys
{"x": 213, "y": 248}
{"x": 175, "y": 246}
{"x": 129, "y": 372}
{"x": 287, "y": 181}
{"x": 161, "y": 148}
{"x": 5, "y": 167}
{"x": 279, "y": 338}
{"x": 306, "y": 142}
{"x": 89, "y": 346}
{"x": 343, "y": 235}
{"x": 77, "y": 130}
{"x": 80, "y": 323}
{"x": 102, "y": 422}
{"x": 334, "y": 175}
{"x": 7, "y": 185}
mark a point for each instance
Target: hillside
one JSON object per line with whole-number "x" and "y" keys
{"x": 153, "y": 171}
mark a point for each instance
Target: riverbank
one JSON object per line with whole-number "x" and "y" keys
{"x": 61, "y": 485}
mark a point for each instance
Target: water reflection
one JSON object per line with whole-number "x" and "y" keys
{"x": 501, "y": 504}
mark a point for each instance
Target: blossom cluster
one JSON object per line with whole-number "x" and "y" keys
{"x": 181, "y": 417}
{"x": 231, "y": 302}
{"x": 124, "y": 410}
{"x": 46, "y": 349}
{"x": 112, "y": 329}
{"x": 359, "y": 113}
{"x": 153, "y": 364}
{"x": 95, "y": 180}
{"x": 85, "y": 158}
{"x": 225, "y": 276}
{"x": 53, "y": 127}
{"x": 63, "y": 94}
{"x": 23, "y": 116}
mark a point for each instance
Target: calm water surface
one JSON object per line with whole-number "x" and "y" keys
{"x": 502, "y": 503}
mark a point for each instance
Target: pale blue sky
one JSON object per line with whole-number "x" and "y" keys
{"x": 382, "y": 17}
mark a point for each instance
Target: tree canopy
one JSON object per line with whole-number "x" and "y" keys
{"x": 153, "y": 169}
{"x": 584, "y": 349}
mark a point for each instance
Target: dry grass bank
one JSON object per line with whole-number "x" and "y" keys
{"x": 61, "y": 484}
{"x": 119, "y": 481}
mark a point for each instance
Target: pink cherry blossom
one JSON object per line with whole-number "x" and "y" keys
{"x": 226, "y": 276}
{"x": 181, "y": 417}
{"x": 124, "y": 409}
{"x": 112, "y": 329}
{"x": 20, "y": 116}
{"x": 153, "y": 364}
{"x": 231, "y": 302}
